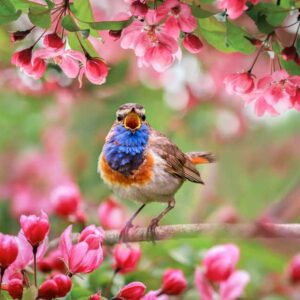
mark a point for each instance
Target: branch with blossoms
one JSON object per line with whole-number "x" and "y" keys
{"x": 65, "y": 33}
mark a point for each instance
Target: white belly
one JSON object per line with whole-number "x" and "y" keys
{"x": 160, "y": 188}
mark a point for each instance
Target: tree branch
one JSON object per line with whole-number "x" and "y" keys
{"x": 168, "y": 232}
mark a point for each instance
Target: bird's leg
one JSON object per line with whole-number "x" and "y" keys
{"x": 154, "y": 222}
{"x": 124, "y": 232}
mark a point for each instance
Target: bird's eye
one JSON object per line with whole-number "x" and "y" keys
{"x": 143, "y": 117}
{"x": 119, "y": 118}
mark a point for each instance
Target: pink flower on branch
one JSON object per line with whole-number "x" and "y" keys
{"x": 239, "y": 83}
{"x": 86, "y": 255}
{"x": 220, "y": 262}
{"x": 126, "y": 258}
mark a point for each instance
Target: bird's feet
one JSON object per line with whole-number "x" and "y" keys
{"x": 123, "y": 237}
{"x": 151, "y": 235}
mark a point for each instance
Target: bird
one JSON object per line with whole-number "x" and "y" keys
{"x": 141, "y": 164}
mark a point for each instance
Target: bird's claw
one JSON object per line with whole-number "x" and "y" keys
{"x": 123, "y": 237}
{"x": 151, "y": 235}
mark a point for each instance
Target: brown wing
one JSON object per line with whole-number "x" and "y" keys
{"x": 178, "y": 164}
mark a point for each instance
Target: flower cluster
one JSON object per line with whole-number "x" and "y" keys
{"x": 219, "y": 270}
{"x": 273, "y": 94}
{"x": 155, "y": 33}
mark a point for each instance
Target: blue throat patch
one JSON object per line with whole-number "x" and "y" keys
{"x": 124, "y": 152}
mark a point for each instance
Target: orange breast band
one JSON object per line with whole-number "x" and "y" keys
{"x": 140, "y": 176}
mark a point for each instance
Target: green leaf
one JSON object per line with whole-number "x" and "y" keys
{"x": 109, "y": 25}
{"x": 215, "y": 34}
{"x": 8, "y": 12}
{"x": 267, "y": 16}
{"x": 236, "y": 37}
{"x": 40, "y": 16}
{"x": 290, "y": 66}
{"x": 30, "y": 293}
{"x": 50, "y": 4}
{"x": 200, "y": 13}
{"x": 69, "y": 24}
{"x": 75, "y": 45}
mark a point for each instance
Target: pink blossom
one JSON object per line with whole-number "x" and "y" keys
{"x": 68, "y": 60}
{"x": 23, "y": 59}
{"x": 239, "y": 83}
{"x": 174, "y": 282}
{"x": 179, "y": 13}
{"x": 203, "y": 286}
{"x": 220, "y": 261}
{"x": 138, "y": 8}
{"x": 234, "y": 8}
{"x": 35, "y": 228}
{"x": 192, "y": 43}
{"x": 111, "y": 214}
{"x": 86, "y": 255}
{"x": 234, "y": 286}
{"x": 154, "y": 295}
{"x": 275, "y": 93}
{"x": 65, "y": 199}
{"x": 153, "y": 43}
{"x": 132, "y": 291}
{"x": 294, "y": 269}
{"x": 126, "y": 258}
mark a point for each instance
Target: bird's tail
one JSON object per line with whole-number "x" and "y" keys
{"x": 198, "y": 158}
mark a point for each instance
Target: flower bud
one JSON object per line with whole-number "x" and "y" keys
{"x": 220, "y": 262}
{"x": 174, "y": 282}
{"x": 111, "y": 214}
{"x": 48, "y": 289}
{"x": 294, "y": 269}
{"x": 52, "y": 40}
{"x": 22, "y": 58}
{"x": 126, "y": 258}
{"x": 8, "y": 250}
{"x": 138, "y": 9}
{"x": 15, "y": 288}
{"x": 239, "y": 83}
{"x": 289, "y": 53}
{"x": 64, "y": 284}
{"x": 192, "y": 43}
{"x": 65, "y": 200}
{"x": 35, "y": 228}
{"x": 19, "y": 35}
{"x": 132, "y": 291}
{"x": 96, "y": 296}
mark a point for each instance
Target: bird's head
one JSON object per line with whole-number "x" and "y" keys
{"x": 131, "y": 116}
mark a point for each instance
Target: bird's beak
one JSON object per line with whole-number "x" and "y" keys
{"x": 132, "y": 121}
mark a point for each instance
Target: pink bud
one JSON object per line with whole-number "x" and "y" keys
{"x": 289, "y": 53}
{"x": 111, "y": 214}
{"x": 132, "y": 291}
{"x": 294, "y": 269}
{"x": 52, "y": 40}
{"x": 138, "y": 9}
{"x": 92, "y": 235}
{"x": 192, "y": 43}
{"x": 19, "y": 35}
{"x": 35, "y": 228}
{"x": 8, "y": 250}
{"x": 174, "y": 282}
{"x": 22, "y": 58}
{"x": 64, "y": 284}
{"x": 80, "y": 217}
{"x": 96, "y": 296}
{"x": 48, "y": 289}
{"x": 126, "y": 258}
{"x": 96, "y": 70}
{"x": 65, "y": 200}
{"x": 220, "y": 262}
{"x": 239, "y": 83}
{"x": 15, "y": 288}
